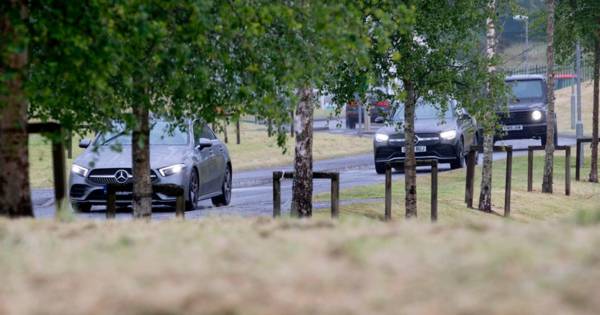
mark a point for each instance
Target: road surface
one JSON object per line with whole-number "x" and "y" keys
{"x": 252, "y": 190}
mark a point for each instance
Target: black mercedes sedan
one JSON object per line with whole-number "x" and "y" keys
{"x": 442, "y": 135}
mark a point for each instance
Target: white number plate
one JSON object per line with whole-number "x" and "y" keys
{"x": 418, "y": 149}
{"x": 512, "y": 127}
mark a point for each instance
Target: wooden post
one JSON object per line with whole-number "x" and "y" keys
{"x": 110, "y": 202}
{"x": 58, "y": 166}
{"x": 237, "y": 132}
{"x": 180, "y": 206}
{"x": 292, "y": 131}
{"x": 70, "y": 145}
{"x": 277, "y": 194}
{"x": 568, "y": 171}
{"x": 434, "y": 190}
{"x": 529, "y": 169}
{"x": 388, "y": 192}
{"x": 507, "y": 186}
{"x": 335, "y": 195}
{"x": 577, "y": 159}
{"x": 470, "y": 178}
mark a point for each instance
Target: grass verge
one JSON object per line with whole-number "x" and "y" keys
{"x": 525, "y": 206}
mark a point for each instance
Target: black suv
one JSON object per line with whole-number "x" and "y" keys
{"x": 527, "y": 109}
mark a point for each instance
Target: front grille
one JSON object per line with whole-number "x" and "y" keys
{"x": 100, "y": 195}
{"x": 517, "y": 118}
{"x": 107, "y": 176}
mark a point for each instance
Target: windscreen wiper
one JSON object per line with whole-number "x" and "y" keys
{"x": 113, "y": 137}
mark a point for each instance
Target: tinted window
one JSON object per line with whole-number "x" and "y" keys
{"x": 161, "y": 133}
{"x": 527, "y": 88}
{"x": 201, "y": 130}
{"x": 423, "y": 110}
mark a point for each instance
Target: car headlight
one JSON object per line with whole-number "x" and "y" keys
{"x": 79, "y": 170}
{"x": 448, "y": 135}
{"x": 536, "y": 115}
{"x": 381, "y": 137}
{"x": 170, "y": 170}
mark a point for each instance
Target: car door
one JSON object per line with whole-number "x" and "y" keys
{"x": 202, "y": 159}
{"x": 217, "y": 160}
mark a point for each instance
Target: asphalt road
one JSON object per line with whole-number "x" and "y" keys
{"x": 252, "y": 192}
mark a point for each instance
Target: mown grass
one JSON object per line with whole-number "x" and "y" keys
{"x": 525, "y": 206}
{"x": 255, "y": 151}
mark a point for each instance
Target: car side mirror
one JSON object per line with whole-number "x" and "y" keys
{"x": 84, "y": 143}
{"x": 203, "y": 143}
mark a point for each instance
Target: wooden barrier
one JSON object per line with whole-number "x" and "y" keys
{"x": 335, "y": 190}
{"x": 434, "y": 189}
{"x": 565, "y": 148}
{"x": 578, "y": 153}
{"x": 58, "y": 160}
{"x": 471, "y": 175}
{"x": 167, "y": 189}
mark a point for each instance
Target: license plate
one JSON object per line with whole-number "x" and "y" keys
{"x": 512, "y": 127}
{"x": 418, "y": 149}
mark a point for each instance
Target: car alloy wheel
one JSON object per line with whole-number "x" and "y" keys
{"x": 193, "y": 190}
{"x": 225, "y": 198}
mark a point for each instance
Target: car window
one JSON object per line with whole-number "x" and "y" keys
{"x": 207, "y": 133}
{"x": 527, "y": 88}
{"x": 201, "y": 130}
{"x": 161, "y": 133}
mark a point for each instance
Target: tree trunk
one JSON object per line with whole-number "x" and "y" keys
{"x": 410, "y": 163}
{"x": 15, "y": 199}
{"x": 303, "y": 185}
{"x": 237, "y": 131}
{"x": 549, "y": 158}
{"x": 485, "y": 193}
{"x": 594, "y": 166}
{"x": 140, "y": 157}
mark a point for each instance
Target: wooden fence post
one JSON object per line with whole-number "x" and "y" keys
{"x": 110, "y": 202}
{"x": 388, "y": 192}
{"x": 277, "y": 194}
{"x": 577, "y": 159}
{"x": 335, "y": 195}
{"x": 434, "y": 190}
{"x": 237, "y": 132}
{"x": 568, "y": 171}
{"x": 470, "y": 178}
{"x": 180, "y": 206}
{"x": 529, "y": 169}
{"x": 508, "y": 180}
{"x": 58, "y": 168}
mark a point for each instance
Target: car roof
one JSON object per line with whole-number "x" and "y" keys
{"x": 517, "y": 77}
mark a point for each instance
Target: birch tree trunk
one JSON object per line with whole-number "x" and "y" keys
{"x": 549, "y": 158}
{"x": 410, "y": 163}
{"x": 485, "y": 192}
{"x": 15, "y": 199}
{"x": 140, "y": 158}
{"x": 303, "y": 185}
{"x": 594, "y": 166}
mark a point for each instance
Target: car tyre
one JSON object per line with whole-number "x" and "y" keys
{"x": 225, "y": 198}
{"x": 81, "y": 207}
{"x": 459, "y": 162}
{"x": 193, "y": 191}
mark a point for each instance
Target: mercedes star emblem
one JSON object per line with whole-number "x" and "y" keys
{"x": 121, "y": 176}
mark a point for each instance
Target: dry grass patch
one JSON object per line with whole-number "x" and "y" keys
{"x": 563, "y": 109}
{"x": 261, "y": 266}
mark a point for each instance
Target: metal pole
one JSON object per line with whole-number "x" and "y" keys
{"x": 579, "y": 125}
{"x": 527, "y": 44}
{"x": 573, "y": 107}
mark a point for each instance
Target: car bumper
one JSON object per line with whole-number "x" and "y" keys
{"x": 82, "y": 190}
{"x": 443, "y": 152}
{"x": 529, "y": 131}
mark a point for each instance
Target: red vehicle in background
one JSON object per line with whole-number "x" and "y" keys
{"x": 379, "y": 111}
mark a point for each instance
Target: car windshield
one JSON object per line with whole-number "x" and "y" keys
{"x": 423, "y": 111}
{"x": 161, "y": 133}
{"x": 527, "y": 88}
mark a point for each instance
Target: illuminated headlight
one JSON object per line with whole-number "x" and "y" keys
{"x": 79, "y": 170}
{"x": 170, "y": 170}
{"x": 381, "y": 137}
{"x": 448, "y": 135}
{"x": 536, "y": 115}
